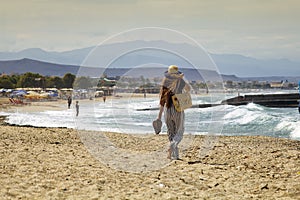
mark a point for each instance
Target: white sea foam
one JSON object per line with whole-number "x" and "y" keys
{"x": 296, "y": 132}
{"x": 234, "y": 113}
{"x": 122, "y": 116}
{"x": 290, "y": 126}
{"x": 43, "y": 119}
{"x": 243, "y": 115}
{"x": 285, "y": 125}
{"x": 253, "y": 106}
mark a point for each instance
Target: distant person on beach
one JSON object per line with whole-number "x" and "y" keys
{"x": 69, "y": 102}
{"x": 104, "y": 98}
{"x": 172, "y": 83}
{"x": 299, "y": 107}
{"x": 77, "y": 108}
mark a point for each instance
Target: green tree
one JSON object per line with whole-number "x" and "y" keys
{"x": 49, "y": 83}
{"x": 14, "y": 79}
{"x": 6, "y": 83}
{"x": 54, "y": 81}
{"x": 30, "y": 80}
{"x": 68, "y": 80}
{"x": 82, "y": 83}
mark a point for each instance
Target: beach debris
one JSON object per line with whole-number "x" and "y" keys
{"x": 161, "y": 185}
{"x": 213, "y": 184}
{"x": 264, "y": 186}
{"x": 203, "y": 179}
{"x": 56, "y": 142}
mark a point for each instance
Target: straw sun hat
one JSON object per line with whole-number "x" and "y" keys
{"x": 172, "y": 69}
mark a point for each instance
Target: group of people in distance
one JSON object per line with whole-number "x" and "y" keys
{"x": 77, "y": 104}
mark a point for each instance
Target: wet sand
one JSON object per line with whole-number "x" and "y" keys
{"x": 53, "y": 163}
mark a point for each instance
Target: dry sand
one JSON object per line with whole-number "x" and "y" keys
{"x": 37, "y": 106}
{"x": 53, "y": 163}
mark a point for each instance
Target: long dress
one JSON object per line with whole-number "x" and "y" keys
{"x": 173, "y": 119}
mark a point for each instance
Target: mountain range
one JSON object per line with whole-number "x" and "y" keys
{"x": 52, "y": 69}
{"x": 234, "y": 66}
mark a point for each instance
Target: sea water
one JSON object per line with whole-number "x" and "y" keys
{"x": 122, "y": 115}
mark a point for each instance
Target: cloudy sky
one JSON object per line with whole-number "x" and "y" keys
{"x": 267, "y": 29}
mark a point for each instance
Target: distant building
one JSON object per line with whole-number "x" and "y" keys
{"x": 229, "y": 84}
{"x": 275, "y": 84}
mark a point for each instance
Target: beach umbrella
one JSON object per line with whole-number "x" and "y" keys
{"x": 18, "y": 93}
{"x": 32, "y": 95}
{"x": 44, "y": 95}
{"x": 53, "y": 94}
{"x": 21, "y": 93}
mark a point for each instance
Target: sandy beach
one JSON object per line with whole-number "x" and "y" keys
{"x": 53, "y": 163}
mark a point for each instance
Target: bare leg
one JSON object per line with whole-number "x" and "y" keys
{"x": 169, "y": 153}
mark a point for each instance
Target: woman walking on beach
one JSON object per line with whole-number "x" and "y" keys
{"x": 173, "y": 83}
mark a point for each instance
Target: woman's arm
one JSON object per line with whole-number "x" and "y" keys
{"x": 161, "y": 109}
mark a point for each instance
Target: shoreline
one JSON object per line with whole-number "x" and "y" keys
{"x": 3, "y": 123}
{"x": 62, "y": 105}
{"x": 39, "y": 163}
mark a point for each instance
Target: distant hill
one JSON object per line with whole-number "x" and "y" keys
{"x": 250, "y": 67}
{"x": 27, "y": 65}
{"x": 53, "y": 69}
{"x": 74, "y": 57}
{"x": 229, "y": 64}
